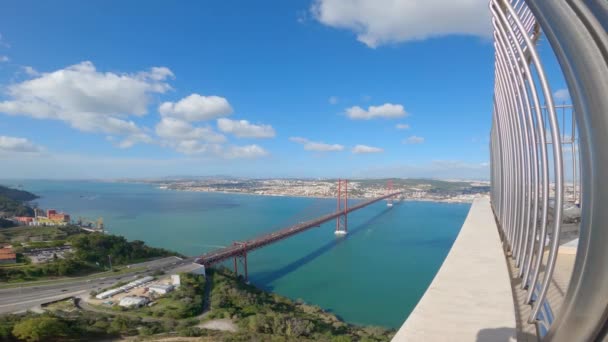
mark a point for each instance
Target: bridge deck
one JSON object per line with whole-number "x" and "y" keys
{"x": 221, "y": 254}
{"x": 470, "y": 298}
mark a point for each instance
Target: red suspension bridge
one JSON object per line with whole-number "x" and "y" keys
{"x": 240, "y": 249}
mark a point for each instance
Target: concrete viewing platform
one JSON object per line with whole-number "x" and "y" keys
{"x": 470, "y": 298}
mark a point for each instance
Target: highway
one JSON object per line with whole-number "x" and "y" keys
{"x": 31, "y": 296}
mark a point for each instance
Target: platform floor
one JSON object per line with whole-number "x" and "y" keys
{"x": 527, "y": 332}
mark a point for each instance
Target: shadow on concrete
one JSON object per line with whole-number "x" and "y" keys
{"x": 266, "y": 279}
{"x": 502, "y": 335}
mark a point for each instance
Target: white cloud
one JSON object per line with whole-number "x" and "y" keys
{"x": 4, "y": 59}
{"x": 387, "y": 111}
{"x": 333, "y": 100}
{"x": 359, "y": 149}
{"x": 14, "y": 144}
{"x": 173, "y": 130}
{"x": 193, "y": 147}
{"x": 244, "y": 129}
{"x": 190, "y": 140}
{"x": 249, "y": 152}
{"x": 89, "y": 100}
{"x": 562, "y": 95}
{"x": 414, "y": 140}
{"x": 196, "y": 107}
{"x": 378, "y": 22}
{"x": 30, "y": 71}
{"x": 316, "y": 146}
{"x": 402, "y": 126}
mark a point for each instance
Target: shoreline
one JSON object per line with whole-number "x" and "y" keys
{"x": 317, "y": 197}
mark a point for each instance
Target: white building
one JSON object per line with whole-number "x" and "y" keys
{"x": 160, "y": 288}
{"x": 132, "y": 301}
{"x": 109, "y": 293}
{"x": 124, "y": 288}
{"x": 176, "y": 280}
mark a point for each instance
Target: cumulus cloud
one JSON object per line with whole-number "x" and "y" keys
{"x": 562, "y": 95}
{"x": 378, "y": 22}
{"x": 402, "y": 126}
{"x": 188, "y": 139}
{"x": 173, "y": 130}
{"x": 89, "y": 100}
{"x": 316, "y": 146}
{"x": 4, "y": 59}
{"x": 193, "y": 147}
{"x": 414, "y": 140}
{"x": 14, "y": 144}
{"x": 244, "y": 129}
{"x": 249, "y": 152}
{"x": 360, "y": 149}
{"x": 333, "y": 100}
{"x": 196, "y": 107}
{"x": 387, "y": 111}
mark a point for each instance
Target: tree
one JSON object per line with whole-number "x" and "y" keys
{"x": 41, "y": 328}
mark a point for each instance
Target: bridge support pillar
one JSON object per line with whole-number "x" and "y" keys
{"x": 242, "y": 259}
{"x": 342, "y": 206}
{"x": 389, "y": 190}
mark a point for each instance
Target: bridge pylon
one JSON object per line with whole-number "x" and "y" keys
{"x": 389, "y": 190}
{"x": 342, "y": 206}
{"x": 242, "y": 259}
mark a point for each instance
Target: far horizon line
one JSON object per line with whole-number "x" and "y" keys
{"x": 183, "y": 177}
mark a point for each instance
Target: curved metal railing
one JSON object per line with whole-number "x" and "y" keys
{"x": 527, "y": 170}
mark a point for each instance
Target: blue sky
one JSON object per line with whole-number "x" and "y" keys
{"x": 307, "y": 88}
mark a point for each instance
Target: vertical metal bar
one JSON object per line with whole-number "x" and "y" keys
{"x": 579, "y": 39}
{"x": 543, "y": 148}
{"x": 558, "y": 170}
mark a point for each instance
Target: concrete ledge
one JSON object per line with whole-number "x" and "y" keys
{"x": 470, "y": 298}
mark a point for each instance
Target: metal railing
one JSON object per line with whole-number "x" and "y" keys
{"x": 527, "y": 171}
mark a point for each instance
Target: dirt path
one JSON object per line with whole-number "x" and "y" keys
{"x": 223, "y": 324}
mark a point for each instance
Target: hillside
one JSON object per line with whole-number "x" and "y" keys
{"x": 12, "y": 202}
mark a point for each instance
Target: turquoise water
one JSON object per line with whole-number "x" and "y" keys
{"x": 375, "y": 275}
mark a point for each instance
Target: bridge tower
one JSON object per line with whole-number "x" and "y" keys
{"x": 242, "y": 259}
{"x": 389, "y": 190}
{"x": 342, "y": 206}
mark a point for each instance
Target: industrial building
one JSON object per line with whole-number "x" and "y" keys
{"x": 133, "y": 301}
{"x": 160, "y": 288}
{"x": 124, "y": 288}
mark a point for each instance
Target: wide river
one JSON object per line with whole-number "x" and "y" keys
{"x": 375, "y": 275}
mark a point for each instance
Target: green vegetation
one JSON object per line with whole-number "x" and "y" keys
{"x": 27, "y": 234}
{"x": 260, "y": 316}
{"x": 12, "y": 204}
{"x": 264, "y": 316}
{"x": 185, "y": 302}
{"x": 91, "y": 253}
{"x": 17, "y": 195}
{"x": 96, "y": 247}
{"x": 74, "y": 325}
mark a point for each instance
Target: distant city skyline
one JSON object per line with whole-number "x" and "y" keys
{"x": 307, "y": 88}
